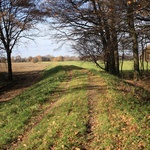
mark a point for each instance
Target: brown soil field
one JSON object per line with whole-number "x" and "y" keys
{"x": 24, "y": 75}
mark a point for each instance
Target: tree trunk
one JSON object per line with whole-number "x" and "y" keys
{"x": 110, "y": 60}
{"x": 133, "y": 34}
{"x": 114, "y": 40}
{"x": 112, "y": 69}
{"x": 136, "y": 57}
{"x": 10, "y": 75}
{"x": 116, "y": 55}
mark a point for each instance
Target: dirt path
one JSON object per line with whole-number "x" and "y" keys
{"x": 96, "y": 87}
{"x": 96, "y": 92}
{"x": 55, "y": 99}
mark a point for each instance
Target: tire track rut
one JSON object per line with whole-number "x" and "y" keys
{"x": 96, "y": 87}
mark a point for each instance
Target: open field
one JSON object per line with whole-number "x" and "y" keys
{"x": 68, "y": 106}
{"x": 24, "y": 74}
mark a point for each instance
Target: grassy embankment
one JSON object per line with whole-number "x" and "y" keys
{"x": 73, "y": 108}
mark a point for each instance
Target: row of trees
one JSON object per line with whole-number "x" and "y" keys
{"x": 95, "y": 27}
{"x": 103, "y": 27}
{"x": 40, "y": 58}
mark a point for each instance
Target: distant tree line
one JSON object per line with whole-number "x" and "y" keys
{"x": 40, "y": 58}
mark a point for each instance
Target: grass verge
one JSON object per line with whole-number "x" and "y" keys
{"x": 122, "y": 118}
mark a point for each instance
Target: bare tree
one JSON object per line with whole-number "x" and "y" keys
{"x": 106, "y": 20}
{"x": 89, "y": 18}
{"x": 17, "y": 17}
{"x": 134, "y": 36}
{"x": 138, "y": 28}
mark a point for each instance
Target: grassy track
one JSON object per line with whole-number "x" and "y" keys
{"x": 64, "y": 126}
{"x": 72, "y": 108}
{"x": 17, "y": 115}
{"x": 122, "y": 118}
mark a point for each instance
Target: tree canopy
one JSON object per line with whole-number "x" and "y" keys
{"x": 103, "y": 27}
{"x": 17, "y": 17}
{"x": 99, "y": 29}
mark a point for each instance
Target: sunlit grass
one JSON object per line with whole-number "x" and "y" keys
{"x": 120, "y": 112}
{"x": 17, "y": 113}
{"x": 125, "y": 114}
{"x": 65, "y": 125}
{"x": 122, "y": 116}
{"x": 82, "y": 64}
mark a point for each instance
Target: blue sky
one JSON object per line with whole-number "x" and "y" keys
{"x": 44, "y": 45}
{"x": 41, "y": 46}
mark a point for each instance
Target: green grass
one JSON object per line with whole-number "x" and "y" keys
{"x": 120, "y": 112}
{"x": 125, "y": 116}
{"x": 65, "y": 125}
{"x": 17, "y": 113}
{"x": 82, "y": 64}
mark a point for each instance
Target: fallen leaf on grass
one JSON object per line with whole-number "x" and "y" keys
{"x": 77, "y": 148}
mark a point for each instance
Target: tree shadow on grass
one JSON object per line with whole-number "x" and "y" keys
{"x": 138, "y": 94}
{"x": 24, "y": 80}
{"x": 141, "y": 87}
{"x": 78, "y": 88}
{"x": 129, "y": 74}
{"x": 57, "y": 69}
